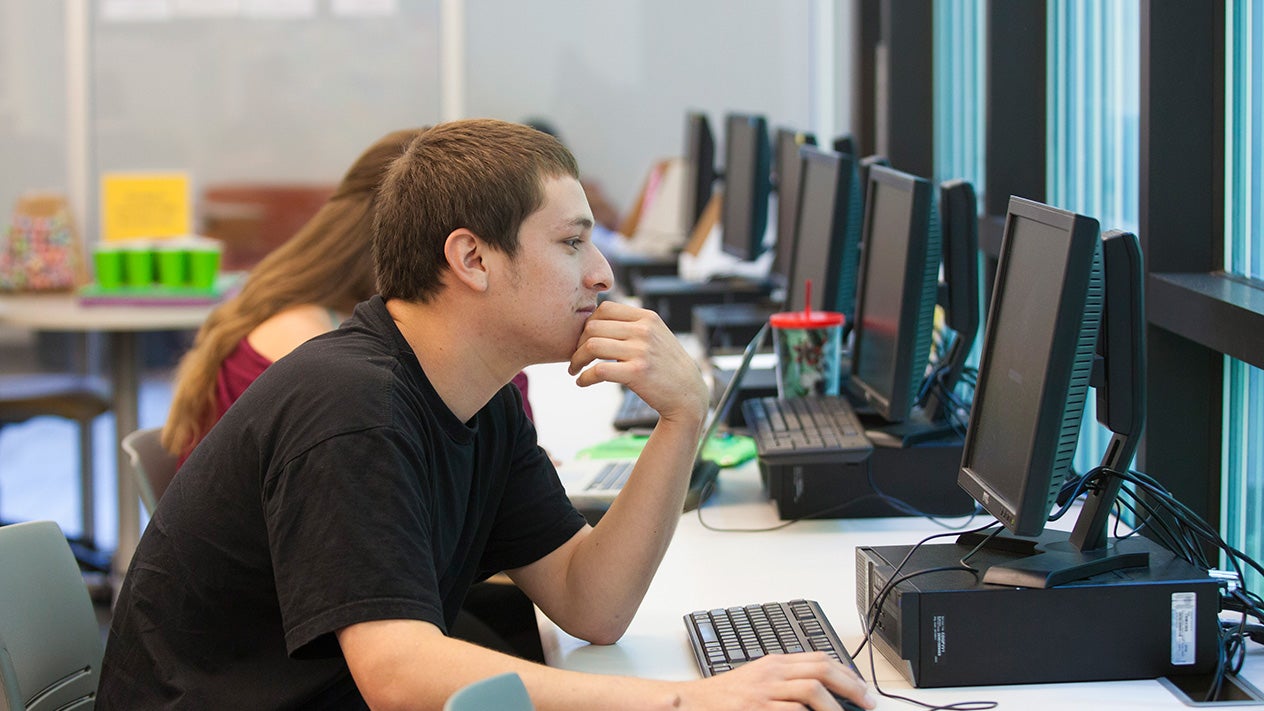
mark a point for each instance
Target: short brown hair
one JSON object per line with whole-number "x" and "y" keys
{"x": 483, "y": 175}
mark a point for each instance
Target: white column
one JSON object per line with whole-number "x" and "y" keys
{"x": 79, "y": 187}
{"x": 452, "y": 59}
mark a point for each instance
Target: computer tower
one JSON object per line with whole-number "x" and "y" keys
{"x": 892, "y": 481}
{"x": 674, "y": 298}
{"x": 950, "y": 629}
{"x": 727, "y": 328}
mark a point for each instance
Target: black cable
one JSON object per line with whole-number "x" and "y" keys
{"x": 1186, "y": 536}
{"x": 899, "y": 505}
{"x": 980, "y": 546}
{"x": 870, "y": 622}
{"x": 907, "y": 508}
{"x": 1189, "y": 518}
{"x": 789, "y": 522}
{"x": 874, "y": 609}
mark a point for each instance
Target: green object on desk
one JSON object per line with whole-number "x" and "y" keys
{"x": 727, "y": 450}
{"x": 153, "y": 294}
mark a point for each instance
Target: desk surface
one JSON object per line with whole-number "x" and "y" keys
{"x": 706, "y": 569}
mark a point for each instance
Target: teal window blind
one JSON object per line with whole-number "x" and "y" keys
{"x": 960, "y": 42}
{"x": 1242, "y": 505}
{"x": 1244, "y": 142}
{"x": 1242, "y": 495}
{"x": 1093, "y": 144}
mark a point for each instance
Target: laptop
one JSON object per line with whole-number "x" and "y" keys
{"x": 593, "y": 483}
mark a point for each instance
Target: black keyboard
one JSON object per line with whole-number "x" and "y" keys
{"x": 634, "y": 412}
{"x": 806, "y": 430}
{"x": 723, "y": 639}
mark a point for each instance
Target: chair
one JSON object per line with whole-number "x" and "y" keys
{"x": 80, "y": 398}
{"x": 152, "y": 464}
{"x": 504, "y": 692}
{"x": 50, "y": 641}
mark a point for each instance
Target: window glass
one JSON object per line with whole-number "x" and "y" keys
{"x": 960, "y": 44}
{"x": 1242, "y": 507}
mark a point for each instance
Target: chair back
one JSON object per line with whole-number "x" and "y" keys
{"x": 152, "y": 465}
{"x": 504, "y": 692}
{"x": 50, "y": 641}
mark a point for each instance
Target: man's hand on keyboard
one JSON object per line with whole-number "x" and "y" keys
{"x": 631, "y": 346}
{"x": 772, "y": 681}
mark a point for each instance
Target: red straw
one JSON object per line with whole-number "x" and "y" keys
{"x": 807, "y": 298}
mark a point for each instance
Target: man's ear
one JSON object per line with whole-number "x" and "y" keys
{"x": 464, "y": 253}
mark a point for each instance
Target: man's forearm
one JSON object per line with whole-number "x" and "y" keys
{"x": 612, "y": 568}
{"x": 406, "y": 664}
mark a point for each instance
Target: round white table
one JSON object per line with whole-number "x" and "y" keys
{"x": 122, "y": 325}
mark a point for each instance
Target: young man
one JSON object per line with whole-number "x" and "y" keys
{"x": 316, "y": 546}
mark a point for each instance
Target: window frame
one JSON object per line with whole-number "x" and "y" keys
{"x": 1197, "y": 313}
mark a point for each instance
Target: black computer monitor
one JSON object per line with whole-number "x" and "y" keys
{"x": 862, "y": 168}
{"x": 958, "y": 292}
{"x": 827, "y": 235}
{"x": 747, "y": 185}
{"x": 1034, "y": 373}
{"x": 700, "y": 173}
{"x": 786, "y": 177}
{"x": 1035, "y": 366}
{"x": 896, "y": 293}
{"x": 845, "y": 144}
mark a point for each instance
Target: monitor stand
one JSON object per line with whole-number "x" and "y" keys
{"x": 1050, "y": 559}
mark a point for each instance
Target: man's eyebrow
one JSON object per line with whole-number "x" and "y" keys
{"x": 583, "y": 222}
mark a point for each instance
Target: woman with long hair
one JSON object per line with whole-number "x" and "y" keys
{"x": 300, "y": 290}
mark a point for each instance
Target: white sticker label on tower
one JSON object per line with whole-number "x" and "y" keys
{"x": 1183, "y": 628}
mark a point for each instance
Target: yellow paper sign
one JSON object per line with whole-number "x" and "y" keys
{"x": 144, "y": 205}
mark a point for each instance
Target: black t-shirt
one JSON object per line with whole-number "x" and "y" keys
{"x": 338, "y": 489}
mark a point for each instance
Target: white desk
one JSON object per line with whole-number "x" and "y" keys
{"x": 123, "y": 324}
{"x": 705, "y": 569}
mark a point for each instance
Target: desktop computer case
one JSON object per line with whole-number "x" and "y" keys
{"x": 923, "y": 477}
{"x": 949, "y": 629}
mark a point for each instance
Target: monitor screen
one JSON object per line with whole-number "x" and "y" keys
{"x": 1035, "y": 364}
{"x": 786, "y": 178}
{"x": 699, "y": 168}
{"x": 898, "y": 284}
{"x": 827, "y": 233}
{"x": 747, "y": 185}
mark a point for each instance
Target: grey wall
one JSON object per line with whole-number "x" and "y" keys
{"x": 247, "y": 99}
{"x": 260, "y": 99}
{"x": 32, "y": 100}
{"x": 616, "y": 78}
